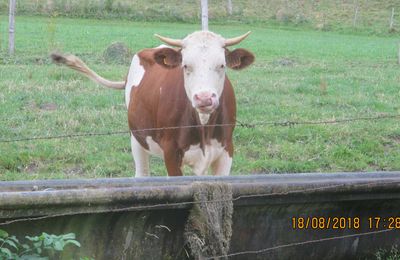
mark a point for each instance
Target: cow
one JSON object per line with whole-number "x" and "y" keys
{"x": 181, "y": 105}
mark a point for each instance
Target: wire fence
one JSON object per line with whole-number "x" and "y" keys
{"x": 249, "y": 125}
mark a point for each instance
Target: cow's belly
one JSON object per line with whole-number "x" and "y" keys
{"x": 199, "y": 161}
{"x": 194, "y": 157}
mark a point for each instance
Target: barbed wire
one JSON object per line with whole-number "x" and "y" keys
{"x": 286, "y": 123}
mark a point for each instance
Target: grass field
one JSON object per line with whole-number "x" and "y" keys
{"x": 298, "y": 75}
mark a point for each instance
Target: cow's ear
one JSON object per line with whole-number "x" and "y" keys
{"x": 239, "y": 58}
{"x": 168, "y": 57}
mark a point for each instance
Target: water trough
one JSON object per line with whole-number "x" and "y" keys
{"x": 285, "y": 216}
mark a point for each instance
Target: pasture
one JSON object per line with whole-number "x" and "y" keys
{"x": 299, "y": 75}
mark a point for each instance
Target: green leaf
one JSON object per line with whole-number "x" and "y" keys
{"x": 11, "y": 243}
{"x": 58, "y": 245}
{"x": 32, "y": 257}
{"x": 68, "y": 236}
{"x": 13, "y": 238}
{"x": 33, "y": 239}
{"x": 47, "y": 241}
{"x": 25, "y": 246}
{"x": 6, "y": 252}
{"x": 73, "y": 242}
{"x": 3, "y": 233}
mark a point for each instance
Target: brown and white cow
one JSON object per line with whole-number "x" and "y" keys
{"x": 181, "y": 105}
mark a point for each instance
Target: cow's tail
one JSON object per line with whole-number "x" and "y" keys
{"x": 77, "y": 64}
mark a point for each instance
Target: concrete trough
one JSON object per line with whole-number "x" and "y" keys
{"x": 285, "y": 216}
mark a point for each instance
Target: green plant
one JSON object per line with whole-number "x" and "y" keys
{"x": 45, "y": 246}
{"x": 8, "y": 245}
{"x": 392, "y": 254}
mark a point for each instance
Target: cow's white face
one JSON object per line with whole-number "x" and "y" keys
{"x": 203, "y": 63}
{"x": 204, "y": 57}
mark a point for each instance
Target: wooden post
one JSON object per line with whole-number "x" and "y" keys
{"x": 355, "y": 16}
{"x": 204, "y": 15}
{"x": 229, "y": 7}
{"x": 11, "y": 30}
{"x": 398, "y": 55}
{"x": 391, "y": 24}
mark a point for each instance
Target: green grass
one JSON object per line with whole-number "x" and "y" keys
{"x": 330, "y": 75}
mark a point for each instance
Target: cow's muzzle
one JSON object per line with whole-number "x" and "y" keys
{"x": 205, "y": 102}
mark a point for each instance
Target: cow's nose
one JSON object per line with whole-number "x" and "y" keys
{"x": 205, "y": 99}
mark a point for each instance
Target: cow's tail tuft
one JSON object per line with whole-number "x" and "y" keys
{"x": 77, "y": 64}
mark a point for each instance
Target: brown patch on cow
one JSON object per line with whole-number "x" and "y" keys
{"x": 239, "y": 58}
{"x": 168, "y": 57}
{"x": 146, "y": 57}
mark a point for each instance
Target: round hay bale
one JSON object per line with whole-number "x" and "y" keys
{"x": 117, "y": 53}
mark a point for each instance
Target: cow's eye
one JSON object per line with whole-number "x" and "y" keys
{"x": 187, "y": 68}
{"x": 222, "y": 66}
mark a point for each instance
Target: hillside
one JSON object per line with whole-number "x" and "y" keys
{"x": 372, "y": 16}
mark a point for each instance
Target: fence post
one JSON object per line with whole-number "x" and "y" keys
{"x": 229, "y": 7}
{"x": 355, "y": 16}
{"x": 204, "y": 15}
{"x": 11, "y": 30}
{"x": 398, "y": 54}
{"x": 391, "y": 24}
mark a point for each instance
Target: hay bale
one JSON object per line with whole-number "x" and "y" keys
{"x": 208, "y": 229}
{"x": 117, "y": 53}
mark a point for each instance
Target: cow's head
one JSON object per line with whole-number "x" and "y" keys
{"x": 204, "y": 57}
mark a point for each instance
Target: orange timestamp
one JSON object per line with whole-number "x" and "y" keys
{"x": 323, "y": 223}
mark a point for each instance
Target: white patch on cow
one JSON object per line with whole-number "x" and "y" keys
{"x": 222, "y": 166}
{"x": 141, "y": 158}
{"x": 135, "y": 76}
{"x": 154, "y": 147}
{"x": 204, "y": 118}
{"x": 200, "y": 162}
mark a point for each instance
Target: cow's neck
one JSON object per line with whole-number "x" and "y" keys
{"x": 204, "y": 118}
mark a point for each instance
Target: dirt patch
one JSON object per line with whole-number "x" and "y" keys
{"x": 31, "y": 168}
{"x": 32, "y": 105}
{"x": 117, "y": 53}
{"x": 75, "y": 170}
{"x": 48, "y": 107}
{"x": 285, "y": 62}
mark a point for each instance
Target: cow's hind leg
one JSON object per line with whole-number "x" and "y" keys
{"x": 222, "y": 166}
{"x": 141, "y": 158}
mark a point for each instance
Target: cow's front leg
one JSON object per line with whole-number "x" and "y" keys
{"x": 222, "y": 166}
{"x": 172, "y": 159}
{"x": 141, "y": 158}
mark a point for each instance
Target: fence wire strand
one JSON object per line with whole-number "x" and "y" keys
{"x": 286, "y": 123}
